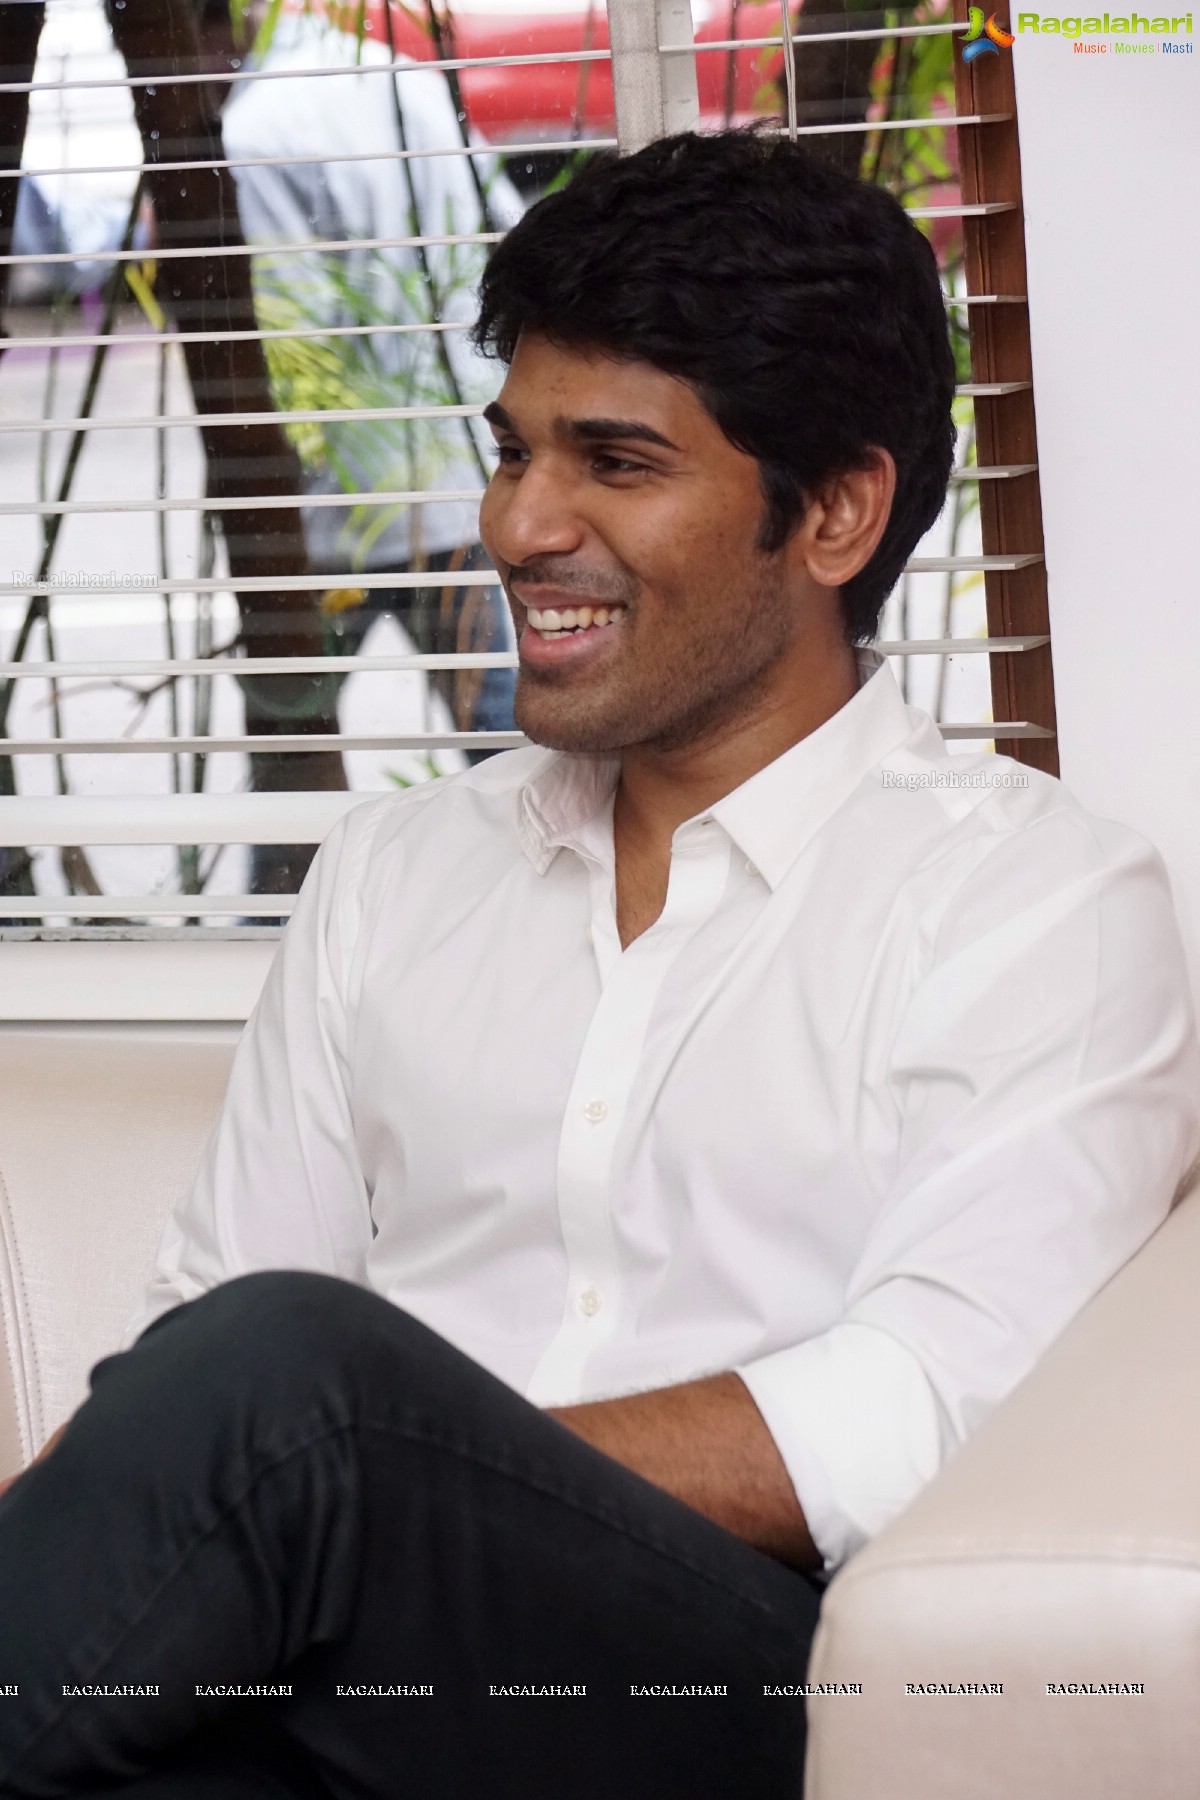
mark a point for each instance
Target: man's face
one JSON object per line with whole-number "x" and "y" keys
{"x": 618, "y": 494}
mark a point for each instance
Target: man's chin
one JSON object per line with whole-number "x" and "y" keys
{"x": 572, "y": 743}
{"x": 557, "y": 729}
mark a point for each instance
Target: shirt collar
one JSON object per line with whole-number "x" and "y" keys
{"x": 559, "y": 798}
{"x": 770, "y": 817}
{"x": 780, "y": 809}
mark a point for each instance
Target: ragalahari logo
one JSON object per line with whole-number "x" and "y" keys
{"x": 985, "y": 39}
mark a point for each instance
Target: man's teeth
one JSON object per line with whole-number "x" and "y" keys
{"x": 550, "y": 622}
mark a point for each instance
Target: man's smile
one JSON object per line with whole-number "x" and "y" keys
{"x": 557, "y": 637}
{"x": 552, "y": 621}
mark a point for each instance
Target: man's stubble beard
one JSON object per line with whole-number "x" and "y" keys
{"x": 712, "y": 682}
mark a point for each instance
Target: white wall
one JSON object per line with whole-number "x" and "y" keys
{"x": 1110, "y": 147}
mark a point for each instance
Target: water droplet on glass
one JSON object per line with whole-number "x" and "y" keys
{"x": 154, "y": 134}
{"x": 151, "y": 90}
{"x": 183, "y": 190}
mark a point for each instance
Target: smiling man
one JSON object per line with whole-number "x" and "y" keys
{"x": 656, "y": 1150}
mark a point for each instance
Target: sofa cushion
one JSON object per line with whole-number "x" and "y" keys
{"x": 101, "y": 1129}
{"x": 1057, "y": 1555}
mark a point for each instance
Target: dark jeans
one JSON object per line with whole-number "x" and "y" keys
{"x": 291, "y": 1481}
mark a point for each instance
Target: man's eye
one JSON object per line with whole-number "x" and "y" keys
{"x": 617, "y": 465}
{"x": 509, "y": 453}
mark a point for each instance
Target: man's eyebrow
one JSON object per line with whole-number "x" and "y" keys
{"x": 589, "y": 431}
{"x": 605, "y": 430}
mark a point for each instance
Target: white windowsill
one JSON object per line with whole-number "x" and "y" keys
{"x": 103, "y": 979}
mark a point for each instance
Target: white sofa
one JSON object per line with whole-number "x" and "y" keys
{"x": 1061, "y": 1546}
{"x": 101, "y": 1129}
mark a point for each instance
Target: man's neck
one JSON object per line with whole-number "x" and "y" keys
{"x": 659, "y": 788}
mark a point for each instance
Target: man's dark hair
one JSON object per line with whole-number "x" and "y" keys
{"x": 802, "y": 305}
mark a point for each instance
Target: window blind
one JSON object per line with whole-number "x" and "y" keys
{"x": 184, "y": 717}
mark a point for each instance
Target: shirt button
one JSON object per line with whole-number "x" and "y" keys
{"x": 590, "y": 1303}
{"x": 752, "y": 868}
{"x": 594, "y": 1112}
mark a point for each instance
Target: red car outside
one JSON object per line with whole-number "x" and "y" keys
{"x": 536, "y": 102}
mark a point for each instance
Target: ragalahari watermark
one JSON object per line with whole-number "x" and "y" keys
{"x": 914, "y": 779}
{"x": 71, "y": 580}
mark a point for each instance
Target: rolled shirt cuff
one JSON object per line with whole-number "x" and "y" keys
{"x": 858, "y": 1426}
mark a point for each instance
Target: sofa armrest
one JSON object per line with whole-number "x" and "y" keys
{"x": 1060, "y": 1545}
{"x": 100, "y": 1132}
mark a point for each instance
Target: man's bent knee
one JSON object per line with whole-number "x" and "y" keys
{"x": 280, "y": 1329}
{"x": 268, "y": 1355}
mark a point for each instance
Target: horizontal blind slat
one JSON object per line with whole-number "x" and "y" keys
{"x": 425, "y": 578}
{"x": 243, "y": 502}
{"x": 144, "y": 339}
{"x": 815, "y": 37}
{"x": 302, "y": 743}
{"x": 995, "y": 472}
{"x": 405, "y": 66}
{"x": 267, "y": 818}
{"x": 347, "y": 415}
{"x": 262, "y": 666}
{"x": 987, "y": 565}
{"x": 338, "y": 246}
{"x": 943, "y": 123}
{"x": 259, "y": 666}
{"x": 981, "y": 390}
{"x": 134, "y": 906}
{"x": 305, "y": 743}
{"x": 995, "y": 728}
{"x": 405, "y": 497}
{"x": 264, "y": 248}
{"x": 251, "y": 584}
{"x": 299, "y": 158}
{"x": 978, "y": 209}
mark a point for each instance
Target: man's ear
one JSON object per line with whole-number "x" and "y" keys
{"x": 845, "y": 520}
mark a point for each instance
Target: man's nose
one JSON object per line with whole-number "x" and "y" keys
{"x": 532, "y": 516}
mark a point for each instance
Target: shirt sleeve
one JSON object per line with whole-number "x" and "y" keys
{"x": 1046, "y": 1081}
{"x": 280, "y": 1185}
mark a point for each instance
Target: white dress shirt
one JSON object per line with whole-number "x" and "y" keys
{"x": 905, "y": 1071}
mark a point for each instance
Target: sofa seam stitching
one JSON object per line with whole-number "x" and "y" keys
{"x": 29, "y": 1416}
